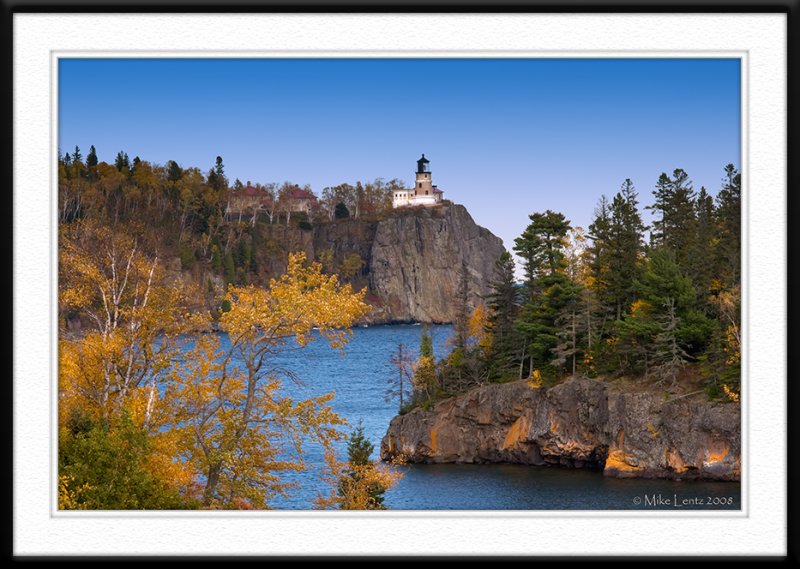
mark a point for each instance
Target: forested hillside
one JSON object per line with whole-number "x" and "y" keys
{"x": 191, "y": 215}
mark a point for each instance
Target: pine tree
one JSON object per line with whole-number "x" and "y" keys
{"x": 212, "y": 180}
{"x": 426, "y": 343}
{"x": 359, "y": 449}
{"x": 461, "y": 309}
{"x": 632, "y": 345}
{"x": 599, "y": 234}
{"x": 624, "y": 246}
{"x": 702, "y": 267}
{"x": 668, "y": 355}
{"x": 216, "y": 175}
{"x": 542, "y": 248}
{"x": 91, "y": 158}
{"x": 664, "y": 321}
{"x": 674, "y": 227}
{"x": 341, "y": 211}
{"x": 571, "y": 328}
{"x": 360, "y": 478}
{"x": 729, "y": 224}
{"x": 174, "y": 172}
{"x": 503, "y": 304}
{"x": 121, "y": 162}
{"x": 78, "y": 167}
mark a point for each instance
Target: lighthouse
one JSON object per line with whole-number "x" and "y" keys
{"x": 424, "y": 192}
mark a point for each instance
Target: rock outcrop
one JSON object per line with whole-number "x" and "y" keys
{"x": 580, "y": 423}
{"x": 416, "y": 257}
{"x": 411, "y": 259}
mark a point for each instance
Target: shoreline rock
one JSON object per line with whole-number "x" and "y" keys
{"x": 581, "y": 423}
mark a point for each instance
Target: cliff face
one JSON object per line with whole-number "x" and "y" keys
{"x": 411, "y": 259}
{"x": 579, "y": 423}
{"x": 416, "y": 256}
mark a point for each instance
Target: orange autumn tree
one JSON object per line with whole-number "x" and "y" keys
{"x": 239, "y": 432}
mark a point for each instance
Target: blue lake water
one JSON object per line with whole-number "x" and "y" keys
{"x": 359, "y": 380}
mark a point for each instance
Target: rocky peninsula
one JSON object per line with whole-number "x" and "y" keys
{"x": 581, "y": 423}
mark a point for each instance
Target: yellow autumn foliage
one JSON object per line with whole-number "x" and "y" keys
{"x": 237, "y": 428}
{"x": 535, "y": 380}
{"x": 477, "y": 328}
{"x": 352, "y": 485}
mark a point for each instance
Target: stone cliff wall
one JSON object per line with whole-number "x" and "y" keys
{"x": 579, "y": 423}
{"x": 411, "y": 259}
{"x": 416, "y": 257}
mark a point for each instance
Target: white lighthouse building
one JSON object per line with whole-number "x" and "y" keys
{"x": 423, "y": 193}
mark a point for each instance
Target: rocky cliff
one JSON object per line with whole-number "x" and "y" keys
{"x": 416, "y": 256}
{"x": 579, "y": 423}
{"x": 411, "y": 259}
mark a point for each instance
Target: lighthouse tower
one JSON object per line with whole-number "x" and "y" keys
{"x": 424, "y": 192}
{"x": 423, "y": 186}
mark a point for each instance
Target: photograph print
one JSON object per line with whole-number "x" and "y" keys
{"x": 399, "y": 283}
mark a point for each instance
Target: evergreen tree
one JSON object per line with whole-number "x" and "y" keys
{"x": 341, "y": 211}
{"x": 668, "y": 355}
{"x": 359, "y": 449}
{"x": 664, "y": 282}
{"x": 212, "y": 179}
{"x": 665, "y": 321}
{"x": 360, "y": 473}
{"x": 503, "y": 304}
{"x": 624, "y": 246}
{"x": 729, "y": 225}
{"x": 461, "y": 309}
{"x": 122, "y": 163}
{"x": 600, "y": 235}
{"x": 216, "y": 175}
{"x": 542, "y": 248}
{"x": 78, "y": 167}
{"x": 702, "y": 267}
{"x": 174, "y": 172}
{"x": 674, "y": 227}
{"x": 571, "y": 327}
{"x": 632, "y": 346}
{"x": 91, "y": 158}
{"x": 244, "y": 254}
{"x": 426, "y": 343}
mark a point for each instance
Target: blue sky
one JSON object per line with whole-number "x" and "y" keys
{"x": 505, "y": 137}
